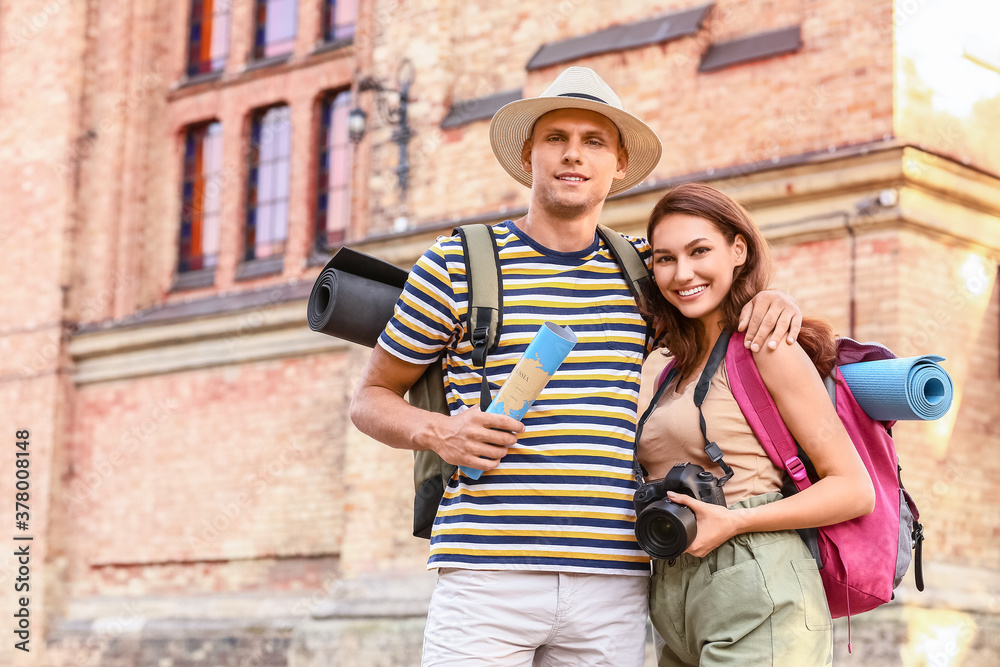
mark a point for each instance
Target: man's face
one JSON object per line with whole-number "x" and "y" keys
{"x": 573, "y": 156}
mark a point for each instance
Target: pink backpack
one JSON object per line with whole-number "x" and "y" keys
{"x": 862, "y": 560}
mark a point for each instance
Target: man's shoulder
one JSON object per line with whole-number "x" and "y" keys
{"x": 638, "y": 242}
{"x": 452, "y": 241}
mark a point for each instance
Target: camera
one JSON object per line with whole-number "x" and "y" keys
{"x": 665, "y": 529}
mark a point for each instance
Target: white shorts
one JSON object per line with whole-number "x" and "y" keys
{"x": 541, "y": 619}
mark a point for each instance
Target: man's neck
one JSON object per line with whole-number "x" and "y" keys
{"x": 559, "y": 233}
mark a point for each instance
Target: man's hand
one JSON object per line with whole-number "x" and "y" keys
{"x": 473, "y": 438}
{"x": 380, "y": 411}
{"x": 771, "y": 314}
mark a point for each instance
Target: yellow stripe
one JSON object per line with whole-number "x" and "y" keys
{"x": 405, "y": 344}
{"x": 539, "y": 493}
{"x": 524, "y": 451}
{"x": 614, "y": 414}
{"x": 426, "y": 312}
{"x": 540, "y": 533}
{"x": 562, "y": 472}
{"x": 527, "y": 512}
{"x": 577, "y": 432}
{"x": 533, "y": 553}
{"x": 513, "y": 285}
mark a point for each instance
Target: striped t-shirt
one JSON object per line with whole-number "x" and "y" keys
{"x": 561, "y": 499}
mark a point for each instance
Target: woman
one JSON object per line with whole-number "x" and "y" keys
{"x": 746, "y": 591}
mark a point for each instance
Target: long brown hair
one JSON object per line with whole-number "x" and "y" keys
{"x": 686, "y": 337}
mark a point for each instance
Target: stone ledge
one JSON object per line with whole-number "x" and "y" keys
{"x": 372, "y": 597}
{"x": 267, "y": 332}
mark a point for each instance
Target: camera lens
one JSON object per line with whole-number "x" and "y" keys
{"x": 665, "y": 530}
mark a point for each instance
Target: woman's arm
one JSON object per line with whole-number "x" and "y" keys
{"x": 844, "y": 490}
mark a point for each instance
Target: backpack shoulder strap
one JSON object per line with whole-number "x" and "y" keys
{"x": 761, "y": 413}
{"x": 636, "y": 273}
{"x": 485, "y": 284}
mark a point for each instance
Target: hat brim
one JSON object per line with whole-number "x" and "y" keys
{"x": 511, "y": 127}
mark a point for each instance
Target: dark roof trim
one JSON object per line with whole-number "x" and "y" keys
{"x": 480, "y": 108}
{"x": 621, "y": 37}
{"x": 755, "y": 47}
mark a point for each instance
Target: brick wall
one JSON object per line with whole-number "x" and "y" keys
{"x": 238, "y": 490}
{"x": 836, "y": 91}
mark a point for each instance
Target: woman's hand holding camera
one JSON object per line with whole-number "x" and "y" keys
{"x": 716, "y": 524}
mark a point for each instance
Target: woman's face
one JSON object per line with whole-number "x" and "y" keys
{"x": 693, "y": 265}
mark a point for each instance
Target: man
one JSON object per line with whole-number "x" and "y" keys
{"x": 537, "y": 559}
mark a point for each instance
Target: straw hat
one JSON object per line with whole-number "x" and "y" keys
{"x": 575, "y": 88}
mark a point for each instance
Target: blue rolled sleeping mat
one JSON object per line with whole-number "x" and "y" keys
{"x": 908, "y": 388}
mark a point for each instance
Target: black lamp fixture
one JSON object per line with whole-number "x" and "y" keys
{"x": 357, "y": 120}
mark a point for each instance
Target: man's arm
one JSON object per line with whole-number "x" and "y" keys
{"x": 773, "y": 315}
{"x": 471, "y": 438}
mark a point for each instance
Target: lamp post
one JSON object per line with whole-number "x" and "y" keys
{"x": 357, "y": 120}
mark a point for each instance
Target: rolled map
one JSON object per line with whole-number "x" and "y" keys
{"x": 546, "y": 352}
{"x": 908, "y": 388}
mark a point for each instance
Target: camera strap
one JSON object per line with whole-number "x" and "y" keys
{"x": 701, "y": 391}
{"x": 637, "y": 471}
{"x": 713, "y": 450}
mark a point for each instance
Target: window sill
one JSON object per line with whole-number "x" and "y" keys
{"x": 264, "y": 63}
{"x": 199, "y": 79}
{"x": 193, "y": 279}
{"x": 255, "y": 268}
{"x": 333, "y": 45}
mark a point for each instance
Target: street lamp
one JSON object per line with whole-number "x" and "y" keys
{"x": 357, "y": 120}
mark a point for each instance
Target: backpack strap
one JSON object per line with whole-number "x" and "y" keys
{"x": 761, "y": 413}
{"x": 485, "y": 317}
{"x": 628, "y": 258}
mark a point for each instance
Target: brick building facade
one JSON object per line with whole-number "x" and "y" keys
{"x": 175, "y": 174}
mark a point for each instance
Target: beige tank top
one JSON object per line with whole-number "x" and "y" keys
{"x": 672, "y": 435}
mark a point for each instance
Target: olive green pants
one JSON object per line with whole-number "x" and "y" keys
{"x": 757, "y": 599}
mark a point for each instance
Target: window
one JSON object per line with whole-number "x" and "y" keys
{"x": 339, "y": 17}
{"x": 267, "y": 187}
{"x": 333, "y": 206}
{"x": 275, "y": 28}
{"x": 201, "y": 195}
{"x": 208, "y": 38}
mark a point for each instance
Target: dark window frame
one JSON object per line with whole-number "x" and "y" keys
{"x": 252, "y": 203}
{"x": 469, "y": 111}
{"x": 199, "y": 65}
{"x": 623, "y": 37}
{"x": 260, "y": 44}
{"x": 323, "y": 240}
{"x": 751, "y": 48}
{"x": 332, "y": 32}
{"x": 195, "y": 181}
